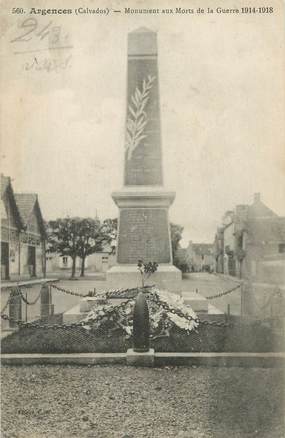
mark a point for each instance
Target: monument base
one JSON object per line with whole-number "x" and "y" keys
{"x": 167, "y": 277}
{"x": 196, "y": 301}
{"x": 140, "y": 359}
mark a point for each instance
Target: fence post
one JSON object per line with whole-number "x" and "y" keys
{"x": 141, "y": 325}
{"x": 26, "y": 306}
{"x": 51, "y": 305}
{"x": 241, "y": 300}
{"x": 245, "y": 299}
{"x": 277, "y": 307}
{"x": 45, "y": 301}
{"x": 15, "y": 308}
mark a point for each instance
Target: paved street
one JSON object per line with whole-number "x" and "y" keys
{"x": 204, "y": 283}
{"x": 211, "y": 284}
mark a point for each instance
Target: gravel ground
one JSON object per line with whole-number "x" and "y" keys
{"x": 115, "y": 401}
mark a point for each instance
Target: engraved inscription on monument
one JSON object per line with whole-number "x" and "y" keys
{"x": 147, "y": 229}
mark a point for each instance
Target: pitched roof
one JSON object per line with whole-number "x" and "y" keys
{"x": 268, "y": 229}
{"x": 259, "y": 209}
{"x": 106, "y": 247}
{"x": 5, "y": 181}
{"x": 26, "y": 202}
{"x": 6, "y": 188}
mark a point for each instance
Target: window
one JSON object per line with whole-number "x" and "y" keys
{"x": 240, "y": 241}
{"x": 281, "y": 247}
{"x": 64, "y": 260}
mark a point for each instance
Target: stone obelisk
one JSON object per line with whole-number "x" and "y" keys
{"x": 143, "y": 231}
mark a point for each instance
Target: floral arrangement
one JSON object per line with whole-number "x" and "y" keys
{"x": 166, "y": 311}
{"x": 146, "y": 269}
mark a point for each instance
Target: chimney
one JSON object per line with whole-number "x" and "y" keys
{"x": 256, "y": 197}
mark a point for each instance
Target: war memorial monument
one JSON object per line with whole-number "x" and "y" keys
{"x": 143, "y": 202}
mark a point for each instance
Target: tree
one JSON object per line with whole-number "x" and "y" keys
{"x": 63, "y": 236}
{"x": 92, "y": 235}
{"x": 176, "y": 235}
{"x": 110, "y": 229}
{"x": 78, "y": 237}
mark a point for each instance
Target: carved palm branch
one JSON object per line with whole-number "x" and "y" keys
{"x": 137, "y": 117}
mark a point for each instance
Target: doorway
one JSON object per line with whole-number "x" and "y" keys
{"x": 5, "y": 274}
{"x": 32, "y": 260}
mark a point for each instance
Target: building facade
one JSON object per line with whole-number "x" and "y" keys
{"x": 197, "y": 257}
{"x": 99, "y": 261}
{"x": 200, "y": 256}
{"x": 250, "y": 244}
{"x": 23, "y": 236}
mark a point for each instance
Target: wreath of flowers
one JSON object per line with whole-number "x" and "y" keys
{"x": 166, "y": 312}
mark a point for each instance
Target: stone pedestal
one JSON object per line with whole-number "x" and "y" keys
{"x": 167, "y": 277}
{"x": 143, "y": 231}
{"x": 140, "y": 359}
{"x": 144, "y": 234}
{"x": 80, "y": 310}
{"x": 196, "y": 301}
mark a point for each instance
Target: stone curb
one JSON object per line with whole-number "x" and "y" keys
{"x": 247, "y": 360}
{"x": 260, "y": 360}
{"x": 63, "y": 359}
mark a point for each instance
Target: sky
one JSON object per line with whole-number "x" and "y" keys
{"x": 222, "y": 96}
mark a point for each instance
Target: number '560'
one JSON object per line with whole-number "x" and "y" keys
{"x": 18, "y": 11}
